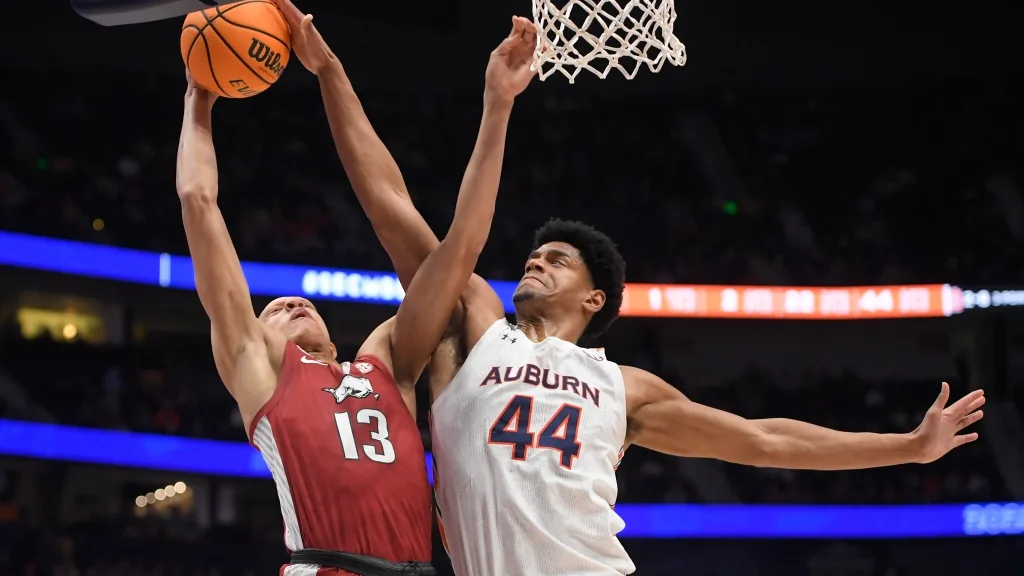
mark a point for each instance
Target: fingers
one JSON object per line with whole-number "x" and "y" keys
{"x": 967, "y": 404}
{"x": 517, "y": 48}
{"x": 292, "y": 14}
{"x": 527, "y": 31}
{"x": 964, "y": 439}
{"x": 524, "y": 25}
{"x": 524, "y": 44}
{"x": 940, "y": 402}
{"x": 515, "y": 29}
{"x": 974, "y": 405}
{"x": 523, "y": 30}
{"x": 969, "y": 419}
{"x": 307, "y": 23}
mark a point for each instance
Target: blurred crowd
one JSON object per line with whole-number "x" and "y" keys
{"x": 916, "y": 184}
{"x": 124, "y": 547}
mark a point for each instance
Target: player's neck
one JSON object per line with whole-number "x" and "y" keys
{"x": 539, "y": 329}
{"x": 318, "y": 354}
{"x": 325, "y": 358}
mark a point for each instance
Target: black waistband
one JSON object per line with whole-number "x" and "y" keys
{"x": 359, "y": 564}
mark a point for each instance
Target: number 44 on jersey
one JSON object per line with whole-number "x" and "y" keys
{"x": 514, "y": 427}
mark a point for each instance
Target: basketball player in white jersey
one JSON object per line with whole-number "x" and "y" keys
{"x": 528, "y": 427}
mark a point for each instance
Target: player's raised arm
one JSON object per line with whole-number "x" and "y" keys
{"x": 661, "y": 418}
{"x": 376, "y": 179}
{"x": 427, "y": 308}
{"x": 219, "y": 280}
{"x": 374, "y": 175}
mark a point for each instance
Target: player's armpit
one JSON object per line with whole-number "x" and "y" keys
{"x": 481, "y": 308}
{"x": 218, "y": 273}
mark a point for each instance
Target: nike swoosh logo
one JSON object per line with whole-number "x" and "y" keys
{"x": 308, "y": 360}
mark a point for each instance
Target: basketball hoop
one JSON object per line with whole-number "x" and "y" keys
{"x": 601, "y": 35}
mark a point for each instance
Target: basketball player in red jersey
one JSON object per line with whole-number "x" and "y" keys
{"x": 340, "y": 439}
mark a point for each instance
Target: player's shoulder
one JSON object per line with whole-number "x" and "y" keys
{"x": 377, "y": 346}
{"x": 499, "y": 328}
{"x": 643, "y": 387}
{"x": 596, "y": 355}
{"x": 637, "y": 378}
{"x": 366, "y": 364}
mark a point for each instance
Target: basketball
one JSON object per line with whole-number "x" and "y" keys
{"x": 236, "y": 50}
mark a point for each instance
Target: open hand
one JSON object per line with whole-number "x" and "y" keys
{"x": 939, "y": 431}
{"x": 307, "y": 43}
{"x": 508, "y": 71}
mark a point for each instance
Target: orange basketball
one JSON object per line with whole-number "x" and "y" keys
{"x": 236, "y": 50}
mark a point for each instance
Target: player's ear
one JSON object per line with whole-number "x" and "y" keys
{"x": 334, "y": 351}
{"x": 595, "y": 301}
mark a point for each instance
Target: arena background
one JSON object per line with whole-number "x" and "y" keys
{"x": 821, "y": 146}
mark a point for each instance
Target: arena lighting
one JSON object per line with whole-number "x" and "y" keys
{"x": 152, "y": 451}
{"x": 160, "y": 494}
{"x": 383, "y": 288}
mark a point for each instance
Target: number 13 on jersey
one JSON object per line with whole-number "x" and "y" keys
{"x": 513, "y": 427}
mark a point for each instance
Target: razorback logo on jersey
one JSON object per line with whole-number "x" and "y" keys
{"x": 353, "y": 386}
{"x": 595, "y": 353}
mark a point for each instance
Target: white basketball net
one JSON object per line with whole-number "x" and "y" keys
{"x": 601, "y": 35}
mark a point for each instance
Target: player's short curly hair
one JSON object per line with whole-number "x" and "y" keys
{"x": 601, "y": 257}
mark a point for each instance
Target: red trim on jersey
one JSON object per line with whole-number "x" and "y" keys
{"x": 441, "y": 532}
{"x": 279, "y": 390}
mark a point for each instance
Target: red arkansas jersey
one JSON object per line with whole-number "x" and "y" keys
{"x": 347, "y": 459}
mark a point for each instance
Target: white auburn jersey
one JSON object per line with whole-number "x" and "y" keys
{"x": 526, "y": 439}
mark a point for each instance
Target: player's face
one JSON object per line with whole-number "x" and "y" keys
{"x": 299, "y": 321}
{"x": 556, "y": 276}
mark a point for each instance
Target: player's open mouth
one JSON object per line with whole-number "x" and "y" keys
{"x": 300, "y": 313}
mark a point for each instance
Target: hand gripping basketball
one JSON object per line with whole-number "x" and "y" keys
{"x": 237, "y": 50}
{"x": 509, "y": 69}
{"x": 307, "y": 43}
{"x": 197, "y": 92}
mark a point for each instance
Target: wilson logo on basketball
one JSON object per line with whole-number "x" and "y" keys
{"x": 262, "y": 53}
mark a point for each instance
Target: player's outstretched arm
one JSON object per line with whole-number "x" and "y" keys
{"x": 427, "y": 308}
{"x": 662, "y": 418}
{"x": 371, "y": 169}
{"x": 219, "y": 280}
